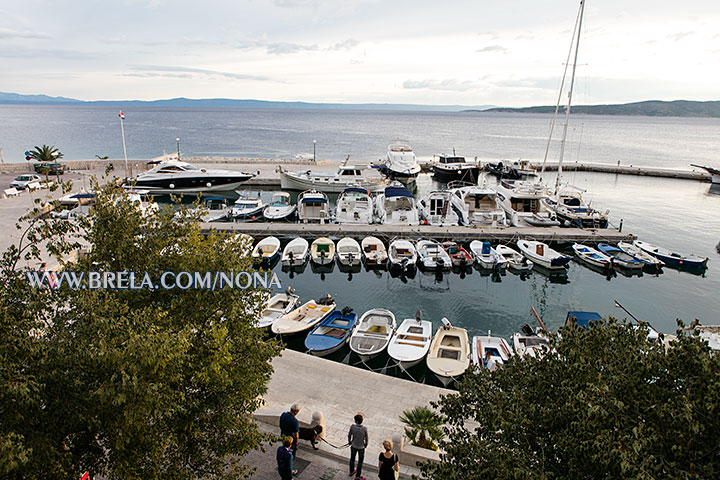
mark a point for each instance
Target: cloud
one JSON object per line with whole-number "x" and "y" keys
{"x": 288, "y": 48}
{"x": 295, "y": 3}
{"x": 447, "y": 84}
{"x": 184, "y": 72}
{"x": 492, "y": 49}
{"x": 7, "y": 34}
{"x": 348, "y": 44}
{"x": 676, "y": 37}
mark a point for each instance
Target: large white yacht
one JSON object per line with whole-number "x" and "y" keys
{"x": 440, "y": 208}
{"x": 396, "y": 206}
{"x": 174, "y": 176}
{"x": 346, "y": 176}
{"x": 523, "y": 205}
{"x": 354, "y": 205}
{"x": 401, "y": 161}
{"x": 480, "y": 206}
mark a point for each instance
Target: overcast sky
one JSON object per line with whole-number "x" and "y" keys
{"x": 474, "y": 52}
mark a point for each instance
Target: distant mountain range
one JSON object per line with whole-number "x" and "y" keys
{"x": 650, "y": 108}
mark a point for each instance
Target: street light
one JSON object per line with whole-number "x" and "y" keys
{"x": 314, "y": 159}
{"x": 178, "y": 145}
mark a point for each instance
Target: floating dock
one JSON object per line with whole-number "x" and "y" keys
{"x": 458, "y": 233}
{"x": 627, "y": 170}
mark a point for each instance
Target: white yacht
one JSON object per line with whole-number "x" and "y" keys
{"x": 248, "y": 206}
{"x": 401, "y": 161}
{"x": 572, "y": 210}
{"x": 440, "y": 208}
{"x": 313, "y": 206}
{"x": 354, "y": 205}
{"x": 396, "y": 206}
{"x": 280, "y": 207}
{"x": 173, "y": 176}
{"x": 523, "y": 205}
{"x": 346, "y": 176}
{"x": 480, "y": 206}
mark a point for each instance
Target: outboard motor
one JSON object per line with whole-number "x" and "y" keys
{"x": 446, "y": 323}
{"x": 290, "y": 290}
{"x": 325, "y": 299}
{"x": 346, "y": 311}
{"x": 418, "y": 315}
{"x": 527, "y": 330}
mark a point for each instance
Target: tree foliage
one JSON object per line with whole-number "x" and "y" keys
{"x": 422, "y": 426}
{"x": 606, "y": 403}
{"x": 129, "y": 383}
{"x": 46, "y": 153}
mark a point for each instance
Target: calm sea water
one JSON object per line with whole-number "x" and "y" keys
{"x": 678, "y": 214}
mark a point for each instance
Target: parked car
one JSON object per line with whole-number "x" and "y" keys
{"x": 22, "y": 181}
{"x": 53, "y": 168}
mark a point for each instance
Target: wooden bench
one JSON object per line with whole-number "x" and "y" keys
{"x": 10, "y": 192}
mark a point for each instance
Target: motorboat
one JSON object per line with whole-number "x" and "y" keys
{"x": 248, "y": 206}
{"x": 449, "y": 354}
{"x": 280, "y": 207}
{"x": 619, "y": 258}
{"x": 432, "y": 256}
{"x": 373, "y": 333}
{"x": 651, "y": 262}
{"x": 348, "y": 252}
{"x": 488, "y": 352}
{"x": 513, "y": 171}
{"x": 672, "y": 258}
{"x": 401, "y": 161}
{"x": 173, "y": 176}
{"x": 448, "y": 168}
{"x": 529, "y": 343}
{"x": 543, "y": 255}
{"x": 396, "y": 206}
{"x": 515, "y": 260}
{"x": 266, "y": 250}
{"x": 304, "y": 317}
{"x": 486, "y": 256}
{"x": 331, "y": 333}
{"x": 571, "y": 210}
{"x": 347, "y": 176}
{"x": 322, "y": 251}
{"x": 214, "y": 209}
{"x": 458, "y": 255}
{"x": 479, "y": 205}
{"x": 402, "y": 254}
{"x": 523, "y": 205}
{"x": 296, "y": 252}
{"x": 354, "y": 205}
{"x": 374, "y": 252}
{"x": 440, "y": 208}
{"x": 278, "y": 305}
{"x": 313, "y": 206}
{"x": 591, "y": 256}
{"x": 411, "y": 342}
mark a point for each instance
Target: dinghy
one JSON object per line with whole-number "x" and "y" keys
{"x": 348, "y": 252}
{"x": 651, "y": 262}
{"x": 280, "y": 207}
{"x": 515, "y": 260}
{"x": 489, "y": 352}
{"x": 591, "y": 256}
{"x": 331, "y": 333}
{"x": 373, "y": 250}
{"x": 486, "y": 256}
{"x": 543, "y": 255}
{"x": 322, "y": 251}
{"x": 620, "y": 258}
{"x": 295, "y": 253}
{"x": 458, "y": 255}
{"x": 529, "y": 343}
{"x": 278, "y": 305}
{"x": 672, "y": 258}
{"x": 432, "y": 256}
{"x": 266, "y": 250}
{"x": 373, "y": 333}
{"x": 402, "y": 254}
{"x": 304, "y": 317}
{"x": 411, "y": 342}
{"x": 449, "y": 354}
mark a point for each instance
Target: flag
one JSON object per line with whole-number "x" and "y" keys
{"x": 617, "y": 305}
{"x": 122, "y": 116}
{"x": 86, "y": 475}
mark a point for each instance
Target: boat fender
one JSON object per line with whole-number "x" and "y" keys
{"x": 203, "y": 170}
{"x": 172, "y": 185}
{"x": 208, "y": 184}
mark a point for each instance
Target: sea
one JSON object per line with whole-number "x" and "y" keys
{"x": 683, "y": 215}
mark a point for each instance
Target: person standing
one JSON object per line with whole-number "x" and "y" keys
{"x": 358, "y": 440}
{"x": 388, "y": 463}
{"x": 284, "y": 458}
{"x": 289, "y": 426}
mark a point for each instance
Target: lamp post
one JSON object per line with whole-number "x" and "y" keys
{"x": 178, "y": 146}
{"x": 57, "y": 168}
{"x": 314, "y": 158}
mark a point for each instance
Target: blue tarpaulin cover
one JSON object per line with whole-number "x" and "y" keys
{"x": 397, "y": 192}
{"x": 583, "y": 319}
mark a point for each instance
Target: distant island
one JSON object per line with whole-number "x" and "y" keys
{"x": 650, "y": 108}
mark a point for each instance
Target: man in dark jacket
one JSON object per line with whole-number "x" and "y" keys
{"x": 289, "y": 426}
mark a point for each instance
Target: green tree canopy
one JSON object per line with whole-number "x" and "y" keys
{"x": 46, "y": 153}
{"x": 606, "y": 403}
{"x": 129, "y": 383}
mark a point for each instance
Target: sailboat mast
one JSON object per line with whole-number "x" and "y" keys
{"x": 570, "y": 94}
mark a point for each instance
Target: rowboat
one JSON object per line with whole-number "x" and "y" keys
{"x": 302, "y": 318}
{"x": 672, "y": 258}
{"x": 620, "y": 258}
{"x": 266, "y": 250}
{"x": 410, "y": 343}
{"x": 529, "y": 343}
{"x": 515, "y": 260}
{"x": 348, "y": 251}
{"x": 373, "y": 333}
{"x": 296, "y": 252}
{"x": 449, "y": 354}
{"x": 374, "y": 251}
{"x": 432, "y": 256}
{"x": 331, "y": 333}
{"x": 650, "y": 261}
{"x": 458, "y": 255}
{"x": 402, "y": 254}
{"x": 543, "y": 255}
{"x": 488, "y": 352}
{"x": 591, "y": 256}
{"x": 486, "y": 256}
{"x": 322, "y": 251}
{"x": 278, "y": 305}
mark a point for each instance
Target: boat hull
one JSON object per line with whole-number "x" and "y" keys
{"x": 290, "y": 182}
{"x": 462, "y": 173}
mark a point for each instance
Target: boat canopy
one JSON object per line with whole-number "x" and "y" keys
{"x": 583, "y": 319}
{"x": 83, "y": 195}
{"x": 397, "y": 192}
{"x": 314, "y": 200}
{"x": 357, "y": 190}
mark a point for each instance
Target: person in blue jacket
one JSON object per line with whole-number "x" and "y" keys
{"x": 285, "y": 459}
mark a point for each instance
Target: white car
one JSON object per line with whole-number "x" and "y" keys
{"x": 22, "y": 181}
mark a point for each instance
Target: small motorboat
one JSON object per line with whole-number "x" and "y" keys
{"x": 331, "y": 333}
{"x": 322, "y": 251}
{"x": 349, "y": 252}
{"x": 402, "y": 254}
{"x": 515, "y": 260}
{"x": 620, "y": 258}
{"x": 458, "y": 255}
{"x": 280, "y": 207}
{"x": 296, "y": 252}
{"x": 354, "y": 206}
{"x": 486, "y": 256}
{"x": 248, "y": 206}
{"x": 214, "y": 209}
{"x": 488, "y": 352}
{"x": 543, "y": 255}
{"x": 651, "y": 262}
{"x": 411, "y": 342}
{"x": 266, "y": 250}
{"x": 277, "y": 306}
{"x": 432, "y": 256}
{"x": 304, "y": 317}
{"x": 529, "y": 343}
{"x": 374, "y": 251}
{"x": 449, "y": 168}
{"x": 591, "y": 256}
{"x": 313, "y": 206}
{"x": 449, "y": 354}
{"x": 672, "y": 258}
{"x": 373, "y": 333}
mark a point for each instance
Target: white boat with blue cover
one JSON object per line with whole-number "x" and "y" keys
{"x": 313, "y": 206}
{"x": 591, "y": 256}
{"x": 331, "y": 333}
{"x": 396, "y": 206}
{"x": 620, "y": 258}
{"x": 486, "y": 256}
{"x": 672, "y": 258}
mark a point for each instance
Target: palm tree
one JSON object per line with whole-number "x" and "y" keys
{"x": 46, "y": 153}
{"x": 422, "y": 426}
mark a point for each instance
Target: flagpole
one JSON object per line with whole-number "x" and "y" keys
{"x": 617, "y": 304}
{"x": 122, "y": 130}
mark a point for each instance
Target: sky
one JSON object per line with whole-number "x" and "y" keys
{"x": 476, "y": 52}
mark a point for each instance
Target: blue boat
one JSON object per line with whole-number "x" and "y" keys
{"x": 672, "y": 258}
{"x": 621, "y": 258}
{"x": 583, "y": 319}
{"x": 331, "y": 333}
